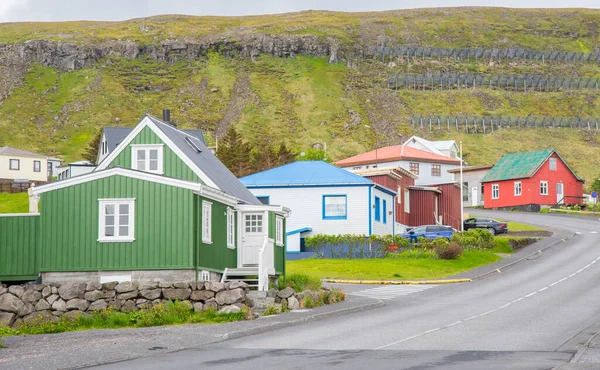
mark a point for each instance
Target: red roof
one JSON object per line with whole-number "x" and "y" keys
{"x": 396, "y": 153}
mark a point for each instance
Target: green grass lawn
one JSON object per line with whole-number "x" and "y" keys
{"x": 516, "y": 227}
{"x": 404, "y": 267}
{"x": 14, "y": 203}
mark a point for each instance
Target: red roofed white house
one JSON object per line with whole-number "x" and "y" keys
{"x": 431, "y": 168}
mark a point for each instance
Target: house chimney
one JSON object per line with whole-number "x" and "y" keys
{"x": 167, "y": 115}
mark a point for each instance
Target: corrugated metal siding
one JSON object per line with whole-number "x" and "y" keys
{"x": 279, "y": 251}
{"x": 449, "y": 202}
{"x": 173, "y": 166}
{"x": 163, "y": 227}
{"x": 422, "y": 207}
{"x": 19, "y": 247}
{"x": 215, "y": 256}
{"x": 393, "y": 184}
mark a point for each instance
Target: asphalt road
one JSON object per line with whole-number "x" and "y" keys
{"x": 529, "y": 316}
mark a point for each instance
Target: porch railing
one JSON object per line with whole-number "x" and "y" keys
{"x": 266, "y": 263}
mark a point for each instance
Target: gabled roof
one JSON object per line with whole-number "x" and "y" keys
{"x": 396, "y": 153}
{"x": 304, "y": 173}
{"x": 5, "y": 150}
{"x": 193, "y": 152}
{"x": 521, "y": 165}
{"x": 114, "y": 135}
{"x": 443, "y": 144}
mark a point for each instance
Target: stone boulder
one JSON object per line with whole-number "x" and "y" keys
{"x": 74, "y": 315}
{"x": 10, "y": 303}
{"x": 230, "y": 309}
{"x": 93, "y": 285}
{"x": 285, "y": 293}
{"x": 128, "y": 295}
{"x": 238, "y": 284}
{"x": 293, "y": 303}
{"x": 211, "y": 304}
{"x": 147, "y": 285}
{"x": 95, "y": 295}
{"x": 272, "y": 292}
{"x": 79, "y": 304}
{"x": 181, "y": 285}
{"x": 3, "y": 289}
{"x": 39, "y": 317}
{"x": 27, "y": 309}
{"x": 59, "y": 305}
{"x": 31, "y": 296}
{"x": 110, "y": 285}
{"x": 227, "y": 297}
{"x": 7, "y": 318}
{"x": 214, "y": 286}
{"x": 198, "y": 307}
{"x": 165, "y": 284}
{"x": 69, "y": 291}
{"x": 99, "y": 305}
{"x": 128, "y": 306}
{"x": 176, "y": 294}
{"x": 42, "y": 305}
{"x": 202, "y": 295}
{"x": 125, "y": 286}
{"x": 17, "y": 290}
{"x": 47, "y": 291}
{"x": 52, "y": 298}
{"x": 150, "y": 293}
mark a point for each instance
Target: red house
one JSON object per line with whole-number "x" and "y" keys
{"x": 530, "y": 180}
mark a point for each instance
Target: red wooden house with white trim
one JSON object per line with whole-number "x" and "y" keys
{"x": 530, "y": 180}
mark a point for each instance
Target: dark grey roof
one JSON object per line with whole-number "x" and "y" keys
{"x": 114, "y": 135}
{"x": 206, "y": 161}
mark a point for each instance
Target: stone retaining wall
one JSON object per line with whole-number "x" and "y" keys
{"x": 22, "y": 303}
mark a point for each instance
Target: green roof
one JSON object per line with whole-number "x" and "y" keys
{"x": 517, "y": 165}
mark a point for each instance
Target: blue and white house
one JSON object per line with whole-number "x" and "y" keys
{"x": 324, "y": 199}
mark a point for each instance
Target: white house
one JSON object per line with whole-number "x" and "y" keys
{"x": 324, "y": 199}
{"x": 431, "y": 168}
{"x": 446, "y": 148}
{"x": 472, "y": 187}
{"x": 74, "y": 169}
{"x": 18, "y": 165}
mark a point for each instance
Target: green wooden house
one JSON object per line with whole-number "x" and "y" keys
{"x": 160, "y": 206}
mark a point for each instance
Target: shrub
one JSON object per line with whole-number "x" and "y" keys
{"x": 448, "y": 251}
{"x": 545, "y": 210}
{"x": 474, "y": 239}
{"x": 299, "y": 282}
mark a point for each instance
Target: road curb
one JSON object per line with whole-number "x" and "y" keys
{"x": 539, "y": 251}
{"x": 397, "y": 282}
{"x": 376, "y": 303}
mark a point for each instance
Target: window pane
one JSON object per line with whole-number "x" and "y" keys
{"x": 123, "y": 209}
{"x": 141, "y": 165}
{"x": 109, "y": 209}
{"x": 124, "y": 220}
{"x": 153, "y": 165}
{"x": 123, "y": 230}
{"x": 109, "y": 231}
{"x": 109, "y": 220}
{"x": 141, "y": 154}
{"x": 154, "y": 154}
{"x": 335, "y": 206}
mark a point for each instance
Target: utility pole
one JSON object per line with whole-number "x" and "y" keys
{"x": 462, "y": 211}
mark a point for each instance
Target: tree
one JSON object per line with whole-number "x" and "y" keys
{"x": 284, "y": 155}
{"x": 235, "y": 153}
{"x": 314, "y": 155}
{"x": 595, "y": 186}
{"x": 91, "y": 153}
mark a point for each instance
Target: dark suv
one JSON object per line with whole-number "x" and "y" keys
{"x": 493, "y": 226}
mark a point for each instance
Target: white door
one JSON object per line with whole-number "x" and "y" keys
{"x": 559, "y": 193}
{"x": 474, "y": 197}
{"x": 253, "y": 237}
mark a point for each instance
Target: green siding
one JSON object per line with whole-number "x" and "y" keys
{"x": 163, "y": 227}
{"x": 19, "y": 243}
{"x": 279, "y": 251}
{"x": 173, "y": 166}
{"x": 215, "y": 255}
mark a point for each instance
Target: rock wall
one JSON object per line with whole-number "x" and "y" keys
{"x": 21, "y": 303}
{"x": 72, "y": 56}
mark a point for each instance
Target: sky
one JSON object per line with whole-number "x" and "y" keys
{"x": 115, "y": 10}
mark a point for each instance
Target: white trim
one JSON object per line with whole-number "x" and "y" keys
{"x": 520, "y": 188}
{"x": 101, "y": 220}
{"x": 147, "y": 122}
{"x": 497, "y": 189}
{"x": 96, "y": 175}
{"x": 284, "y": 211}
{"x": 206, "y": 229}
{"x": 230, "y": 217}
{"x": 547, "y": 188}
{"x": 18, "y": 214}
{"x": 279, "y": 231}
{"x": 217, "y": 195}
{"x": 147, "y": 147}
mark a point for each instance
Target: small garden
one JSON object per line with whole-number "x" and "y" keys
{"x": 396, "y": 258}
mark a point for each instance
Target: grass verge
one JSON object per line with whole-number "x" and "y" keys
{"x": 172, "y": 313}
{"x": 516, "y": 227}
{"x": 14, "y": 203}
{"x": 406, "y": 265}
{"x": 299, "y": 282}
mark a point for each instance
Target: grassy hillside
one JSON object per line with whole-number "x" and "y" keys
{"x": 305, "y": 100}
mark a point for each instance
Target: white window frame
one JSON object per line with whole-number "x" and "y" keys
{"x": 279, "y": 231}
{"x": 400, "y": 194}
{"x": 10, "y": 164}
{"x": 551, "y": 161}
{"x": 496, "y": 191}
{"x": 102, "y": 220}
{"x": 518, "y": 186}
{"x": 135, "y": 148}
{"x": 542, "y": 185}
{"x": 206, "y": 222}
{"x": 230, "y": 228}
{"x": 406, "y": 201}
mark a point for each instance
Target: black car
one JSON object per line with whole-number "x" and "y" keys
{"x": 493, "y": 226}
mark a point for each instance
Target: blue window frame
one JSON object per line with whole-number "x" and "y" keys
{"x": 335, "y": 207}
{"x": 384, "y": 211}
{"x": 377, "y": 209}
{"x": 264, "y": 199}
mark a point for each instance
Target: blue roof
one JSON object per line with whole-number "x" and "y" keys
{"x": 304, "y": 173}
{"x": 303, "y": 230}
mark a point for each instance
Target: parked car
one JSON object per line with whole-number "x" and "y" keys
{"x": 493, "y": 226}
{"x": 430, "y": 232}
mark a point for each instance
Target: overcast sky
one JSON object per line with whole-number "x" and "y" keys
{"x": 113, "y": 10}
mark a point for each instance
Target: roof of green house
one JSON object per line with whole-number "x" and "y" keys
{"x": 520, "y": 165}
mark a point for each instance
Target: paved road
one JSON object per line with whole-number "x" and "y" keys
{"x": 529, "y": 316}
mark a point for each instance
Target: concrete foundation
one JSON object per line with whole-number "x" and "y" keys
{"x": 135, "y": 275}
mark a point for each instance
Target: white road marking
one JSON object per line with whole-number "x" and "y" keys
{"x": 577, "y": 232}
{"x": 392, "y": 291}
{"x": 593, "y": 232}
{"x": 487, "y": 312}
